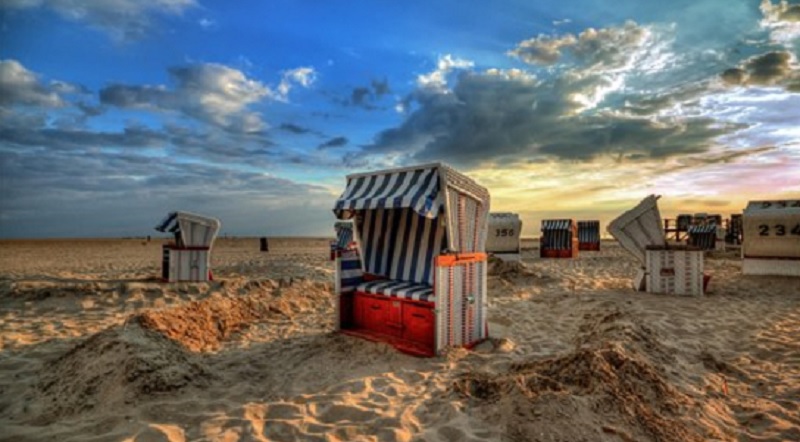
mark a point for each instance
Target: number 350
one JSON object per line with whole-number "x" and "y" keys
{"x": 504, "y": 232}
{"x": 779, "y": 230}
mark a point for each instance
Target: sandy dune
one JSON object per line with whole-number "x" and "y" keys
{"x": 93, "y": 348}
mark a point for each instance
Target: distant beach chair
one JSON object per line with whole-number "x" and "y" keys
{"x": 733, "y": 234}
{"x": 504, "y": 237}
{"x": 703, "y": 236}
{"x": 665, "y": 269}
{"x": 188, "y": 257}
{"x": 589, "y": 235}
{"x": 771, "y": 238}
{"x": 559, "y": 239}
{"x": 345, "y": 240}
{"x": 417, "y": 277}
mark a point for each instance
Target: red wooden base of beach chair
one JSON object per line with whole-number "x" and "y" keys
{"x": 566, "y": 253}
{"x": 407, "y": 325}
{"x": 590, "y": 246}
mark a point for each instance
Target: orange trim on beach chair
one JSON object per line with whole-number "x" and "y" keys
{"x": 455, "y": 259}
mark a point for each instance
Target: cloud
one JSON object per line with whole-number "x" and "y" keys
{"x": 211, "y": 93}
{"x": 19, "y": 86}
{"x": 122, "y": 19}
{"x": 295, "y": 129}
{"x": 607, "y": 48}
{"x": 304, "y": 76}
{"x": 72, "y": 194}
{"x": 782, "y": 20}
{"x": 334, "y": 142}
{"x": 207, "y": 23}
{"x": 366, "y": 96}
{"x": 506, "y": 117}
{"x": 359, "y": 96}
{"x": 771, "y": 68}
{"x": 437, "y": 79}
{"x": 601, "y": 62}
{"x": 61, "y": 139}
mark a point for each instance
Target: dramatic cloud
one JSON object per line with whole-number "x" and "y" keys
{"x": 782, "y": 20}
{"x": 507, "y": 118}
{"x": 19, "y": 86}
{"x": 772, "y": 68}
{"x": 212, "y": 93}
{"x": 595, "y": 48}
{"x": 437, "y": 79}
{"x": 334, "y": 142}
{"x": 601, "y": 62}
{"x": 123, "y": 19}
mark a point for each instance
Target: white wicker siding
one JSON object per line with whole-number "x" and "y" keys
{"x": 676, "y": 272}
{"x": 188, "y": 265}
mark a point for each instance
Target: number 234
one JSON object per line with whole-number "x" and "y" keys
{"x": 780, "y": 230}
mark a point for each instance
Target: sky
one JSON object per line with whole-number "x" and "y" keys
{"x": 115, "y": 112}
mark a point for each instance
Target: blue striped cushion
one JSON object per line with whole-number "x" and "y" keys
{"x": 398, "y": 289}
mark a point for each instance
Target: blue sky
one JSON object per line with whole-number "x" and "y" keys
{"x": 114, "y": 112}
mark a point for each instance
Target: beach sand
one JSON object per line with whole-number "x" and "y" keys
{"x": 94, "y": 348}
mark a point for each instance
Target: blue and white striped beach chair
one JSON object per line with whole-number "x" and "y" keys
{"x": 417, "y": 278}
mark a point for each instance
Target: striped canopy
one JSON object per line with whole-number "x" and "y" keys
{"x": 556, "y": 224}
{"x": 414, "y": 188}
{"x": 703, "y": 228}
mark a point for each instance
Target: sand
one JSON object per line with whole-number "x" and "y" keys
{"x": 94, "y": 348}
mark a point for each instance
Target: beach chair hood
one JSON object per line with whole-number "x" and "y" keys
{"x": 192, "y": 229}
{"x": 639, "y": 228}
{"x": 431, "y": 191}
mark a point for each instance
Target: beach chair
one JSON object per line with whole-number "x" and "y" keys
{"x": 559, "y": 239}
{"x": 703, "y": 236}
{"x": 504, "y": 237}
{"x": 417, "y": 276}
{"x": 664, "y": 268}
{"x": 344, "y": 237}
{"x": 589, "y": 235}
{"x": 771, "y": 238}
{"x": 187, "y": 258}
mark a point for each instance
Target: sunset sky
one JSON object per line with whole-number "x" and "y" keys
{"x": 114, "y": 112}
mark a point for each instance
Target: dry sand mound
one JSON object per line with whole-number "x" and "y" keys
{"x": 120, "y": 365}
{"x": 204, "y": 325}
{"x": 610, "y": 386}
{"x": 152, "y": 352}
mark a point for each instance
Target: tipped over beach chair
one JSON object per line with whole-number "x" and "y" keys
{"x": 417, "y": 277}
{"x": 188, "y": 257}
{"x": 664, "y": 268}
